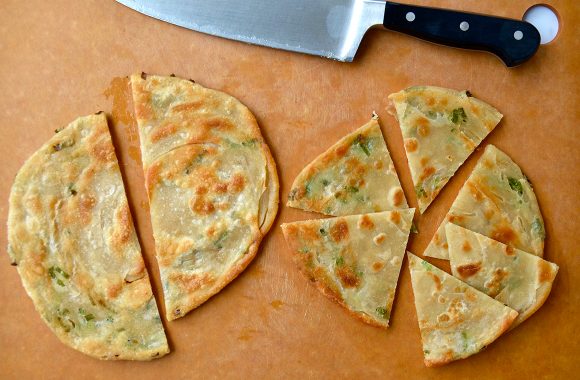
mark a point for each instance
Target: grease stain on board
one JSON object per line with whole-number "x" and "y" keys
{"x": 134, "y": 153}
{"x": 120, "y": 92}
{"x": 277, "y": 304}
{"x": 247, "y": 334}
{"x": 144, "y": 205}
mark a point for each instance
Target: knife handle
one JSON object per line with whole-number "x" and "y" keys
{"x": 513, "y": 41}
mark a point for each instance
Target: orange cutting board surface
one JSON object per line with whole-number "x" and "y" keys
{"x": 63, "y": 59}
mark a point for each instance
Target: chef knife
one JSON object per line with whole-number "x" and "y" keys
{"x": 335, "y": 28}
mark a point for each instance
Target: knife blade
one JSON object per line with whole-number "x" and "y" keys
{"x": 335, "y": 28}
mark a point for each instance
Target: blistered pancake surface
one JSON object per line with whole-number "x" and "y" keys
{"x": 441, "y": 128}
{"x": 72, "y": 240}
{"x": 212, "y": 186}
{"x": 354, "y": 260}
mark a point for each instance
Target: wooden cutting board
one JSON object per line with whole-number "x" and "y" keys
{"x": 62, "y": 59}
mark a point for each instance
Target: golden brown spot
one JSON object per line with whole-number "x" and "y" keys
{"x": 395, "y": 217}
{"x": 489, "y": 125}
{"x": 488, "y": 214}
{"x": 455, "y": 219}
{"x": 347, "y": 277}
{"x": 509, "y": 250}
{"x": 86, "y": 205}
{"x": 468, "y": 270}
{"x": 339, "y": 231}
{"x": 125, "y": 227}
{"x": 378, "y": 164}
{"x": 161, "y": 132}
{"x": 423, "y": 127}
{"x": 310, "y": 233}
{"x": 475, "y": 193}
{"x": 488, "y": 164}
{"x": 436, "y": 280}
{"x": 436, "y": 238}
{"x": 356, "y": 182}
{"x": 201, "y": 206}
{"x": 443, "y": 101}
{"x": 466, "y": 246}
{"x": 37, "y": 262}
{"x": 297, "y": 193}
{"x": 545, "y": 273}
{"x": 191, "y": 106}
{"x": 430, "y": 101}
{"x": 442, "y": 318}
{"x": 468, "y": 143}
{"x": 504, "y": 234}
{"x": 360, "y": 170}
{"x": 221, "y": 187}
{"x": 380, "y": 238}
{"x": 143, "y": 108}
{"x": 445, "y": 245}
{"x": 103, "y": 151}
{"x": 470, "y": 295}
{"x": 114, "y": 290}
{"x": 238, "y": 183}
{"x": 398, "y": 197}
{"x": 475, "y": 110}
{"x": 493, "y": 284}
{"x": 411, "y": 145}
{"x": 377, "y": 266}
{"x": 366, "y": 222}
{"x": 424, "y": 161}
{"x": 191, "y": 282}
{"x": 34, "y": 204}
{"x": 201, "y": 190}
{"x": 212, "y": 230}
{"x": 218, "y": 123}
{"x": 428, "y": 171}
{"x": 341, "y": 151}
{"x": 152, "y": 177}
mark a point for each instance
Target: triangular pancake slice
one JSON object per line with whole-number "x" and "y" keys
{"x": 516, "y": 278}
{"x": 211, "y": 182}
{"x": 496, "y": 201}
{"x": 354, "y": 176}
{"x": 72, "y": 240}
{"x": 456, "y": 320}
{"x": 441, "y": 128}
{"x": 354, "y": 260}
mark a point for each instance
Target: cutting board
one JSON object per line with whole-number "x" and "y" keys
{"x": 62, "y": 59}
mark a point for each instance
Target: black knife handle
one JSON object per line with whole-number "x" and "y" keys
{"x": 513, "y": 41}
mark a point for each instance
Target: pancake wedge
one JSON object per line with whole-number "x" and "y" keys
{"x": 72, "y": 240}
{"x": 354, "y": 176}
{"x": 496, "y": 201}
{"x": 212, "y": 186}
{"x": 516, "y": 278}
{"x": 441, "y": 128}
{"x": 456, "y": 320}
{"x": 353, "y": 260}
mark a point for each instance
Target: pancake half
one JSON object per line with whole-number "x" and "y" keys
{"x": 212, "y": 186}
{"x": 456, "y": 320}
{"x": 72, "y": 240}
{"x": 353, "y": 260}
{"x": 497, "y": 201}
{"x": 354, "y": 176}
{"x": 441, "y": 128}
{"x": 516, "y": 278}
